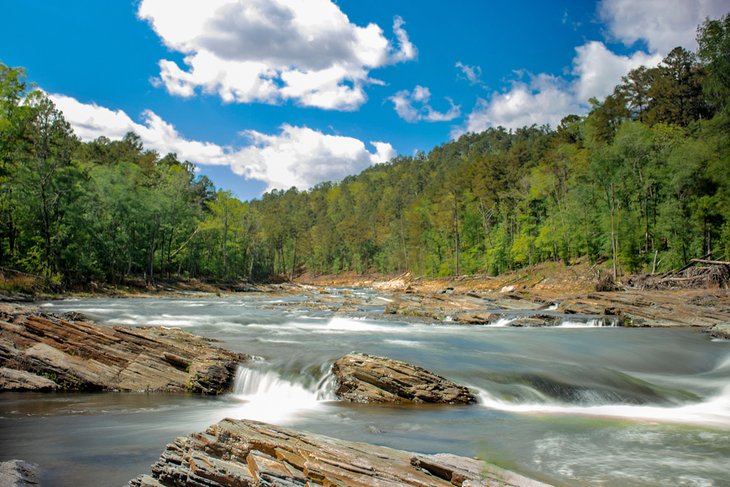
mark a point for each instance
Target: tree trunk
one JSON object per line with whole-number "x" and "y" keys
{"x": 456, "y": 233}
{"x": 614, "y": 243}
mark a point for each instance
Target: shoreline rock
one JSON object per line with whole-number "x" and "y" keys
{"x": 18, "y": 473}
{"x": 366, "y": 379}
{"x": 38, "y": 350}
{"x": 249, "y": 453}
{"x": 721, "y": 330}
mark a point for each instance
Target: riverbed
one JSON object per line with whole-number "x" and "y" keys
{"x": 575, "y": 404}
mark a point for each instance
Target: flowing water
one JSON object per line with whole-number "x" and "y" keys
{"x": 577, "y": 404}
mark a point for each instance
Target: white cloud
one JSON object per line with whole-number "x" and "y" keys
{"x": 664, "y": 24}
{"x": 598, "y": 70}
{"x": 296, "y": 156}
{"x": 473, "y": 74}
{"x": 546, "y": 99}
{"x": 413, "y": 106}
{"x": 272, "y": 50}
{"x": 302, "y": 157}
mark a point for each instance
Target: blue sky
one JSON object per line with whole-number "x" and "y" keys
{"x": 265, "y": 94}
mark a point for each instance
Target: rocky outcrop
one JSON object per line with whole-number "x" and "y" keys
{"x": 44, "y": 349}
{"x": 690, "y": 307}
{"x": 17, "y": 473}
{"x": 20, "y": 380}
{"x": 248, "y": 453}
{"x": 721, "y": 330}
{"x": 530, "y": 322}
{"x": 367, "y": 378}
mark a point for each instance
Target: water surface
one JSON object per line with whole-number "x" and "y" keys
{"x": 571, "y": 405}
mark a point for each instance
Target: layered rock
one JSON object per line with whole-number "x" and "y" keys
{"x": 690, "y": 307}
{"x": 366, "y": 378}
{"x": 72, "y": 354}
{"x": 248, "y": 453}
{"x": 20, "y": 380}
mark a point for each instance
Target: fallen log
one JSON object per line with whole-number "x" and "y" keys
{"x": 710, "y": 262}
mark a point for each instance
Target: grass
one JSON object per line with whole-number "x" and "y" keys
{"x": 19, "y": 284}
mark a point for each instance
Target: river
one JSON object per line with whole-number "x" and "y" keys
{"x": 571, "y": 405}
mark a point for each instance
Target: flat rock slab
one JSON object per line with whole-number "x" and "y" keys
{"x": 17, "y": 473}
{"x": 20, "y": 380}
{"x": 244, "y": 453}
{"x": 366, "y": 378}
{"x": 39, "y": 351}
{"x": 688, "y": 307}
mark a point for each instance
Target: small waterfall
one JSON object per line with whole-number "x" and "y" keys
{"x": 591, "y": 323}
{"x": 326, "y": 387}
{"x": 502, "y": 322}
{"x": 270, "y": 397}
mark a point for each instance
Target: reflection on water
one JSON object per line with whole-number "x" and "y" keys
{"x": 573, "y": 405}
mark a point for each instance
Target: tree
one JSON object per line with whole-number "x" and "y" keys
{"x": 713, "y": 38}
{"x": 676, "y": 91}
{"x": 635, "y": 89}
{"x": 45, "y": 174}
{"x": 12, "y": 120}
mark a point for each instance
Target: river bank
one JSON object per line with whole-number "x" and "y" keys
{"x": 549, "y": 286}
{"x": 545, "y": 287}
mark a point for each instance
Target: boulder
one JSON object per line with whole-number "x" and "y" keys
{"x": 17, "y": 473}
{"x": 721, "y": 330}
{"x": 478, "y": 318}
{"x": 366, "y": 378}
{"x": 19, "y": 380}
{"x": 250, "y": 453}
{"x": 41, "y": 350}
{"x": 529, "y": 322}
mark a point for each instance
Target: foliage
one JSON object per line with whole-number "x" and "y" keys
{"x": 642, "y": 181}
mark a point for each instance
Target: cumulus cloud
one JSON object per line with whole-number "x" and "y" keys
{"x": 272, "y": 51}
{"x": 302, "y": 157}
{"x": 543, "y": 100}
{"x": 473, "y": 74}
{"x": 546, "y": 99}
{"x": 296, "y": 156}
{"x": 413, "y": 106}
{"x": 598, "y": 69}
{"x": 663, "y": 24}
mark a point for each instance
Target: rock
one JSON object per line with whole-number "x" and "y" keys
{"x": 690, "y": 307}
{"x": 250, "y": 453}
{"x": 478, "y": 318}
{"x": 465, "y": 471}
{"x": 529, "y": 321}
{"x": 721, "y": 330}
{"x": 17, "y": 473}
{"x": 400, "y": 283}
{"x": 366, "y": 378}
{"x": 77, "y": 355}
{"x": 19, "y": 380}
{"x": 414, "y": 312}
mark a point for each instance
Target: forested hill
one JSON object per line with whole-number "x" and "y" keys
{"x": 642, "y": 182}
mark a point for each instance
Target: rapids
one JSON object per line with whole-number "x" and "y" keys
{"x": 574, "y": 404}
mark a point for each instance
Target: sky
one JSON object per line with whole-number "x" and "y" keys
{"x": 270, "y": 94}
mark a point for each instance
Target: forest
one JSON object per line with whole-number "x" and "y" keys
{"x": 641, "y": 183}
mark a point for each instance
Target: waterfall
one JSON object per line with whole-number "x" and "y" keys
{"x": 267, "y": 396}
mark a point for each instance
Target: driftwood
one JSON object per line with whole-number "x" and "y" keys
{"x": 710, "y": 262}
{"x": 698, "y": 273}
